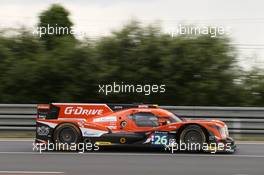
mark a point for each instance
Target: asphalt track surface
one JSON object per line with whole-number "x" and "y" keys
{"x": 17, "y": 157}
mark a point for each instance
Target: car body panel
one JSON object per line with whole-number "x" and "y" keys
{"x": 117, "y": 124}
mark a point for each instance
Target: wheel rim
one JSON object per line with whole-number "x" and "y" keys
{"x": 193, "y": 137}
{"x": 67, "y": 135}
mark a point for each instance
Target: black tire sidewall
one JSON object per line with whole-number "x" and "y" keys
{"x": 64, "y": 126}
{"x": 192, "y": 128}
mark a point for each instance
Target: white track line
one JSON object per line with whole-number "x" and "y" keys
{"x": 30, "y": 172}
{"x": 22, "y": 140}
{"x": 237, "y": 142}
{"x": 249, "y": 143}
{"x": 141, "y": 154}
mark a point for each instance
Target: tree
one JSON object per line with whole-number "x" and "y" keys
{"x": 132, "y": 56}
{"x": 56, "y": 21}
{"x": 196, "y": 69}
{"x": 253, "y": 83}
{"x": 200, "y": 71}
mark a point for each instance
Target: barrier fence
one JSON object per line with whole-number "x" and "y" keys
{"x": 240, "y": 120}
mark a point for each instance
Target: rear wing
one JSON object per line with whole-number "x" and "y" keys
{"x": 82, "y": 110}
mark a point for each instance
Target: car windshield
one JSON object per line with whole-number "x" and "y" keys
{"x": 145, "y": 119}
{"x": 148, "y": 119}
{"x": 173, "y": 118}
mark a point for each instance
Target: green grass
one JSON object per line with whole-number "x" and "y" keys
{"x": 17, "y": 134}
{"x": 248, "y": 137}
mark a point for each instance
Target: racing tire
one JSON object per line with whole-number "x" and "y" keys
{"x": 191, "y": 135}
{"x": 67, "y": 134}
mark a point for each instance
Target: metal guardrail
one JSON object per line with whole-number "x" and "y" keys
{"x": 240, "y": 120}
{"x": 17, "y": 117}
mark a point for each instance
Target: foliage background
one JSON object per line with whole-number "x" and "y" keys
{"x": 197, "y": 70}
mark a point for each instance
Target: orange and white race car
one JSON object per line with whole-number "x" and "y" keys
{"x": 127, "y": 125}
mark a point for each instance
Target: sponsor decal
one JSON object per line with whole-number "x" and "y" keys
{"x": 43, "y": 106}
{"x": 43, "y": 130}
{"x": 123, "y": 124}
{"x": 87, "y": 132}
{"x": 174, "y": 127}
{"x": 106, "y": 119}
{"x": 112, "y": 127}
{"x": 103, "y": 143}
{"x": 81, "y": 111}
{"x": 51, "y": 125}
{"x": 122, "y": 140}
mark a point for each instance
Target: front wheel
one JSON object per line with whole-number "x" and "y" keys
{"x": 193, "y": 137}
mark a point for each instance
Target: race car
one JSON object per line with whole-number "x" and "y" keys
{"x": 127, "y": 125}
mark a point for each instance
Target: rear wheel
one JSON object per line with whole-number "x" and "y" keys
{"x": 67, "y": 133}
{"x": 194, "y": 137}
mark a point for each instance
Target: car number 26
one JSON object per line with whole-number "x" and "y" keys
{"x": 160, "y": 139}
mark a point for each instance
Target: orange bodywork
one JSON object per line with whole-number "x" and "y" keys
{"x": 97, "y": 120}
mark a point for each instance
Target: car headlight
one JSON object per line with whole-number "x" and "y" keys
{"x": 223, "y": 130}
{"x": 226, "y": 130}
